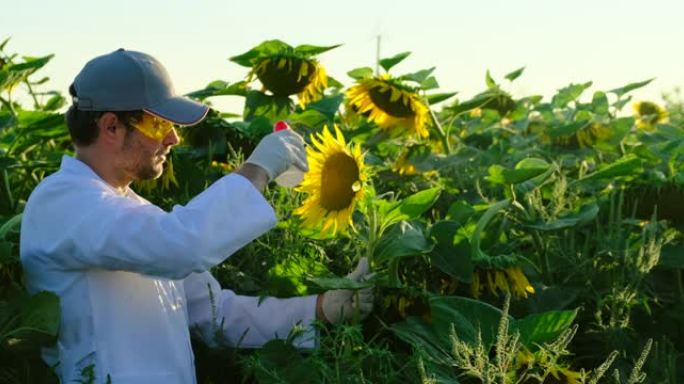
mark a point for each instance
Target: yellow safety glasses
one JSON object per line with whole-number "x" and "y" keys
{"x": 154, "y": 127}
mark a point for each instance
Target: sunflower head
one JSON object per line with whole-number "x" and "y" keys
{"x": 286, "y": 75}
{"x": 500, "y": 102}
{"x": 284, "y": 70}
{"x": 390, "y": 104}
{"x": 334, "y": 183}
{"x": 501, "y": 281}
{"x": 649, "y": 114}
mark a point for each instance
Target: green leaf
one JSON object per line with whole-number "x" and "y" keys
{"x": 515, "y": 74}
{"x": 585, "y": 214}
{"x": 259, "y": 104}
{"x": 672, "y": 256}
{"x": 401, "y": 240}
{"x": 361, "y": 73}
{"x": 628, "y": 165}
{"x": 418, "y": 77}
{"x": 309, "y": 118}
{"x": 439, "y": 97}
{"x": 450, "y": 257}
{"x": 630, "y": 87}
{"x": 9, "y": 225}
{"x": 468, "y": 317}
{"x": 544, "y": 327}
{"x": 31, "y": 65}
{"x": 600, "y": 103}
{"x": 568, "y": 128}
{"x": 328, "y": 106}
{"x": 220, "y": 88}
{"x": 429, "y": 83}
{"x": 394, "y": 60}
{"x": 339, "y": 283}
{"x": 267, "y": 48}
{"x": 475, "y": 251}
{"x": 38, "y": 321}
{"x": 413, "y": 206}
{"x": 313, "y": 50}
{"x": 491, "y": 84}
{"x": 460, "y": 211}
{"x": 417, "y": 333}
{"x": 525, "y": 170}
{"x": 569, "y": 93}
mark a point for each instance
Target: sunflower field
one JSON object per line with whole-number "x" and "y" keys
{"x": 513, "y": 239}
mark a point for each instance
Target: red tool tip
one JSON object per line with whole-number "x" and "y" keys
{"x": 280, "y": 125}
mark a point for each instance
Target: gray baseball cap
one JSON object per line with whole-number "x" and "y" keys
{"x": 128, "y": 81}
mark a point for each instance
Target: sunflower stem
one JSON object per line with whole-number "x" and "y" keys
{"x": 440, "y": 131}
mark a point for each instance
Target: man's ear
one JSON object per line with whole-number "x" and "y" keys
{"x": 107, "y": 125}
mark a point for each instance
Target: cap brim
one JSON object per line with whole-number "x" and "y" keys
{"x": 179, "y": 110}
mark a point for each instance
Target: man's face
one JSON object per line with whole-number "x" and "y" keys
{"x": 143, "y": 158}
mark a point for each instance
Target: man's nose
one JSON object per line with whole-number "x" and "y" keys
{"x": 171, "y": 139}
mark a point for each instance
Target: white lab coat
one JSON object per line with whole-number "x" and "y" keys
{"x": 132, "y": 279}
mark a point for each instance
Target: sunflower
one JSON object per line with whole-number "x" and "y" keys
{"x": 586, "y": 136}
{"x": 389, "y": 104}
{"x": 649, "y": 114}
{"x": 508, "y": 280}
{"x": 285, "y": 75}
{"x": 334, "y": 182}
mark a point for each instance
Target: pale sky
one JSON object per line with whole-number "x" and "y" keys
{"x": 609, "y": 42}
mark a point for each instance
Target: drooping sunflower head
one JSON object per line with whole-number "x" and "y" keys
{"x": 501, "y": 281}
{"x": 334, "y": 182}
{"x": 285, "y": 70}
{"x": 649, "y": 114}
{"x": 389, "y": 104}
{"x": 285, "y": 75}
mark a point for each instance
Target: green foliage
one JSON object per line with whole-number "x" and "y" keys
{"x": 567, "y": 191}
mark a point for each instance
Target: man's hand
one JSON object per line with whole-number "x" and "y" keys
{"x": 338, "y": 305}
{"x": 277, "y": 151}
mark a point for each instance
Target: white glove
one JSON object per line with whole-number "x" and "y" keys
{"x": 277, "y": 151}
{"x": 340, "y": 304}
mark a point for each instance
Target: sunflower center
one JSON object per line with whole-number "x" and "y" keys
{"x": 288, "y": 77}
{"x": 647, "y": 109}
{"x": 384, "y": 101}
{"x": 340, "y": 173}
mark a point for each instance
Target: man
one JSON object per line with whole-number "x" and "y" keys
{"x": 132, "y": 278}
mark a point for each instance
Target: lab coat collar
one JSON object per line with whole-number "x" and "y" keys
{"x": 74, "y": 166}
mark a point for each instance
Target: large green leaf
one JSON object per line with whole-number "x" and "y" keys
{"x": 220, "y": 88}
{"x": 390, "y": 62}
{"x": 411, "y": 207}
{"x": 525, "y": 169}
{"x": 418, "y": 77}
{"x": 628, "y": 165}
{"x": 543, "y": 327}
{"x": 267, "y": 48}
{"x": 452, "y": 258}
{"x": 585, "y": 214}
{"x": 600, "y": 103}
{"x": 423, "y": 337}
{"x": 630, "y": 87}
{"x": 307, "y": 50}
{"x": 361, "y": 73}
{"x": 439, "y": 97}
{"x": 468, "y": 316}
{"x": 328, "y": 106}
{"x": 672, "y": 256}
{"x": 37, "y": 323}
{"x": 569, "y": 93}
{"x": 515, "y": 74}
{"x": 259, "y": 104}
{"x": 401, "y": 240}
